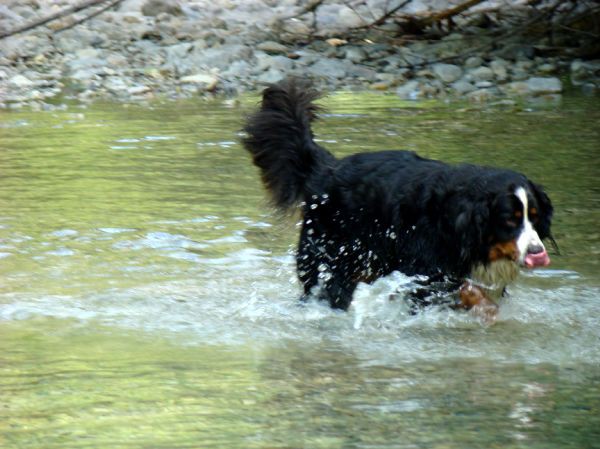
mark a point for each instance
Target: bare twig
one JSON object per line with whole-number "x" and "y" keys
{"x": 312, "y": 6}
{"x": 89, "y": 16}
{"x": 473, "y": 50}
{"x": 451, "y": 12}
{"x": 387, "y": 15}
{"x": 44, "y": 20}
{"x": 355, "y": 11}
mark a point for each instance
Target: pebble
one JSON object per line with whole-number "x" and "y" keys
{"x": 272, "y": 47}
{"x": 473, "y": 62}
{"x": 206, "y": 81}
{"x": 484, "y": 84}
{"x": 138, "y": 90}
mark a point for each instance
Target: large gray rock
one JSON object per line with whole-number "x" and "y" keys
{"x": 482, "y": 74}
{"x": 266, "y": 62}
{"x": 20, "y": 81}
{"x": 86, "y": 59}
{"x": 543, "y": 85}
{"x": 411, "y": 90}
{"x": 203, "y": 80}
{"x": 271, "y": 76}
{"x": 336, "y": 16}
{"x": 355, "y": 54}
{"x": 481, "y": 95}
{"x": 17, "y": 47}
{"x": 473, "y": 62}
{"x": 219, "y": 57}
{"x": 155, "y": 7}
{"x": 500, "y": 69}
{"x": 462, "y": 87}
{"x": 516, "y": 88}
{"x": 272, "y": 47}
{"x": 330, "y": 68}
{"x": 180, "y": 51}
{"x": 448, "y": 73}
{"x": 295, "y": 27}
{"x": 584, "y": 72}
{"x": 75, "y": 39}
{"x": 238, "y": 69}
{"x": 452, "y": 45}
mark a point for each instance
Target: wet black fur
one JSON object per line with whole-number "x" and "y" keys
{"x": 369, "y": 214}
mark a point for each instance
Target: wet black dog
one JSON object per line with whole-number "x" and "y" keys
{"x": 369, "y": 214}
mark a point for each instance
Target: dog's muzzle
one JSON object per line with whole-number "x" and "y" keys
{"x": 536, "y": 256}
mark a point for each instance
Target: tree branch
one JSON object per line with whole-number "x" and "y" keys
{"x": 89, "y": 16}
{"x": 386, "y": 16}
{"x": 451, "y": 12}
{"x": 44, "y": 20}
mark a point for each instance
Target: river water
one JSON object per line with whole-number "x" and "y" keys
{"x": 148, "y": 296}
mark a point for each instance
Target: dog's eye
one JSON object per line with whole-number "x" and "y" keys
{"x": 514, "y": 219}
{"x": 533, "y": 215}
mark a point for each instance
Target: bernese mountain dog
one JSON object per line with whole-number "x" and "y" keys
{"x": 465, "y": 229}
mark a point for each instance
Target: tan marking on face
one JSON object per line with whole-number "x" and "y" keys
{"x": 504, "y": 250}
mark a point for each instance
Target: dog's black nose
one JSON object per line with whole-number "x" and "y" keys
{"x": 535, "y": 249}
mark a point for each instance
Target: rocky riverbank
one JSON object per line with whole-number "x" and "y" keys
{"x": 144, "y": 49}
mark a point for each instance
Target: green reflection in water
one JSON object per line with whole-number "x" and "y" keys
{"x": 105, "y": 207}
{"x": 63, "y": 386}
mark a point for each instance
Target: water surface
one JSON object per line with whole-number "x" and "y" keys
{"x": 148, "y": 295}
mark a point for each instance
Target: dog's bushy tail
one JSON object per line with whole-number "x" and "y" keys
{"x": 281, "y": 143}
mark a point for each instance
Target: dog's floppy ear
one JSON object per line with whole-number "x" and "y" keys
{"x": 470, "y": 227}
{"x": 545, "y": 210}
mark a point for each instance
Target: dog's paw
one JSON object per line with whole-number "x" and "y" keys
{"x": 486, "y": 312}
{"x": 475, "y": 300}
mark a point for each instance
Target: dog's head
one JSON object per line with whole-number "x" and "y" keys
{"x": 519, "y": 220}
{"x": 506, "y": 228}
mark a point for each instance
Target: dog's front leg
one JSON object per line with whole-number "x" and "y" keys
{"x": 473, "y": 298}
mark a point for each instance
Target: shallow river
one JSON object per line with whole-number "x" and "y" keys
{"x": 148, "y": 296}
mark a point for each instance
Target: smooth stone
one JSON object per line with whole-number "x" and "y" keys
{"x": 542, "y": 85}
{"x": 448, "y": 73}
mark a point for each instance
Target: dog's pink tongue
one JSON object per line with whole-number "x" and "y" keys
{"x": 537, "y": 260}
